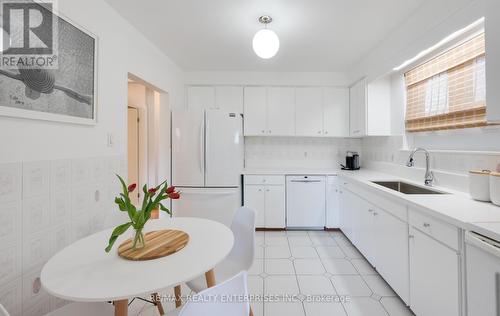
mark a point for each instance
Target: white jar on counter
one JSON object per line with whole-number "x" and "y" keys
{"x": 495, "y": 187}
{"x": 479, "y": 185}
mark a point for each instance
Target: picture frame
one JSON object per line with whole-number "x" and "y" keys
{"x": 66, "y": 94}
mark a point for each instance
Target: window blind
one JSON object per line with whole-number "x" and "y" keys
{"x": 448, "y": 91}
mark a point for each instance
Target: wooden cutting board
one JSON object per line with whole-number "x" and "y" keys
{"x": 159, "y": 243}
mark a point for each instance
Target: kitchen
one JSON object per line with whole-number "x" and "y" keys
{"x": 319, "y": 158}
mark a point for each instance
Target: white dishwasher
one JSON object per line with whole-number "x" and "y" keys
{"x": 305, "y": 201}
{"x": 483, "y": 274}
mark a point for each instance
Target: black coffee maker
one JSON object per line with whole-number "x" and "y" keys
{"x": 351, "y": 161}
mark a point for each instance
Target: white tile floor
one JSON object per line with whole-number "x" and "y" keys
{"x": 310, "y": 266}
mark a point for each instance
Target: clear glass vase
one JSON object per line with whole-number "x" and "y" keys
{"x": 139, "y": 240}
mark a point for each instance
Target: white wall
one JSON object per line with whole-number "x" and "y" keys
{"x": 58, "y": 179}
{"x": 122, "y": 49}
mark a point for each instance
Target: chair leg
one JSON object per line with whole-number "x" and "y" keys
{"x": 121, "y": 307}
{"x": 157, "y": 302}
{"x": 251, "y": 311}
{"x": 177, "y": 293}
{"x": 210, "y": 277}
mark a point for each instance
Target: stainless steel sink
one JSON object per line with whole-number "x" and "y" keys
{"x": 407, "y": 188}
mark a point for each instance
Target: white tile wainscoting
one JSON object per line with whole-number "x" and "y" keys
{"x": 311, "y": 265}
{"x": 298, "y": 152}
{"x": 44, "y": 206}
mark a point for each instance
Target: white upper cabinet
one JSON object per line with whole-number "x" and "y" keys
{"x": 301, "y": 111}
{"x": 336, "y": 112}
{"x": 492, "y": 60}
{"x": 357, "y": 117}
{"x": 229, "y": 98}
{"x": 378, "y": 108}
{"x": 281, "y": 111}
{"x": 200, "y": 98}
{"x": 255, "y": 111}
{"x": 309, "y": 111}
{"x": 370, "y": 108}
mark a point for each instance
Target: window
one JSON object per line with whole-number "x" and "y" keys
{"x": 448, "y": 91}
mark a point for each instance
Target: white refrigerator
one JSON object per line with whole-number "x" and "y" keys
{"x": 207, "y": 160}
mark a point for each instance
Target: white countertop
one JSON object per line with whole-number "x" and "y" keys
{"x": 289, "y": 171}
{"x": 456, "y": 208}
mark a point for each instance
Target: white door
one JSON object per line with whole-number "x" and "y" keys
{"x": 336, "y": 112}
{"x": 218, "y": 204}
{"x": 255, "y": 199}
{"x": 309, "y": 111}
{"x": 255, "y": 111}
{"x": 188, "y": 162}
{"x": 223, "y": 148}
{"x": 305, "y": 201}
{"x": 229, "y": 99}
{"x": 391, "y": 252}
{"x": 483, "y": 276}
{"x": 332, "y": 203}
{"x": 434, "y": 286}
{"x": 281, "y": 111}
{"x": 200, "y": 98}
{"x": 275, "y": 206}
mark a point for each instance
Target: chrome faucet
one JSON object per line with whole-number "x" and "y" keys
{"x": 429, "y": 175}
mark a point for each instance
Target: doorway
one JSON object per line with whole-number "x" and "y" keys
{"x": 148, "y": 136}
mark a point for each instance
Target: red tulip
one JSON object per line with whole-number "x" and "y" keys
{"x": 170, "y": 190}
{"x": 132, "y": 187}
{"x": 152, "y": 190}
{"x": 174, "y": 195}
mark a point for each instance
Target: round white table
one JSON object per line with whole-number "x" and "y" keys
{"x": 84, "y": 272}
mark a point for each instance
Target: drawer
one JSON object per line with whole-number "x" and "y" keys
{"x": 443, "y": 232}
{"x": 264, "y": 179}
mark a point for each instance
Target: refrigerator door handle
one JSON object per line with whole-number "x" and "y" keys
{"x": 207, "y": 145}
{"x": 201, "y": 147}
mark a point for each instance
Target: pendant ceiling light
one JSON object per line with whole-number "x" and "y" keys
{"x": 265, "y": 42}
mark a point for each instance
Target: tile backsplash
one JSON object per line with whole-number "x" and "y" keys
{"x": 44, "y": 206}
{"x": 450, "y": 167}
{"x": 297, "y": 152}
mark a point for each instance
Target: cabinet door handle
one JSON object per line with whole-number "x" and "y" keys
{"x": 411, "y": 236}
{"x": 260, "y": 190}
{"x": 375, "y": 213}
{"x": 263, "y": 131}
{"x": 370, "y": 210}
{"x": 427, "y": 225}
{"x": 319, "y": 132}
{"x": 269, "y": 131}
{"x": 267, "y": 190}
{"x": 326, "y": 132}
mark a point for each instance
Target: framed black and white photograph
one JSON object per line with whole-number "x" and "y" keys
{"x": 60, "y": 85}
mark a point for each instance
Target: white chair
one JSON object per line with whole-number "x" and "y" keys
{"x": 3, "y": 311}
{"x": 229, "y": 298}
{"x": 241, "y": 256}
{"x": 84, "y": 309}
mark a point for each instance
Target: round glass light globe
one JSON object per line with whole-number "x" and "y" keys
{"x": 266, "y": 43}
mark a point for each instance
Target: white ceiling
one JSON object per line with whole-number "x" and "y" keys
{"x": 315, "y": 35}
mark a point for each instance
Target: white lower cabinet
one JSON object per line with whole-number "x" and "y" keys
{"x": 275, "y": 206}
{"x": 332, "y": 202}
{"x": 391, "y": 247}
{"x": 380, "y": 236}
{"x": 266, "y": 195}
{"x": 434, "y": 276}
